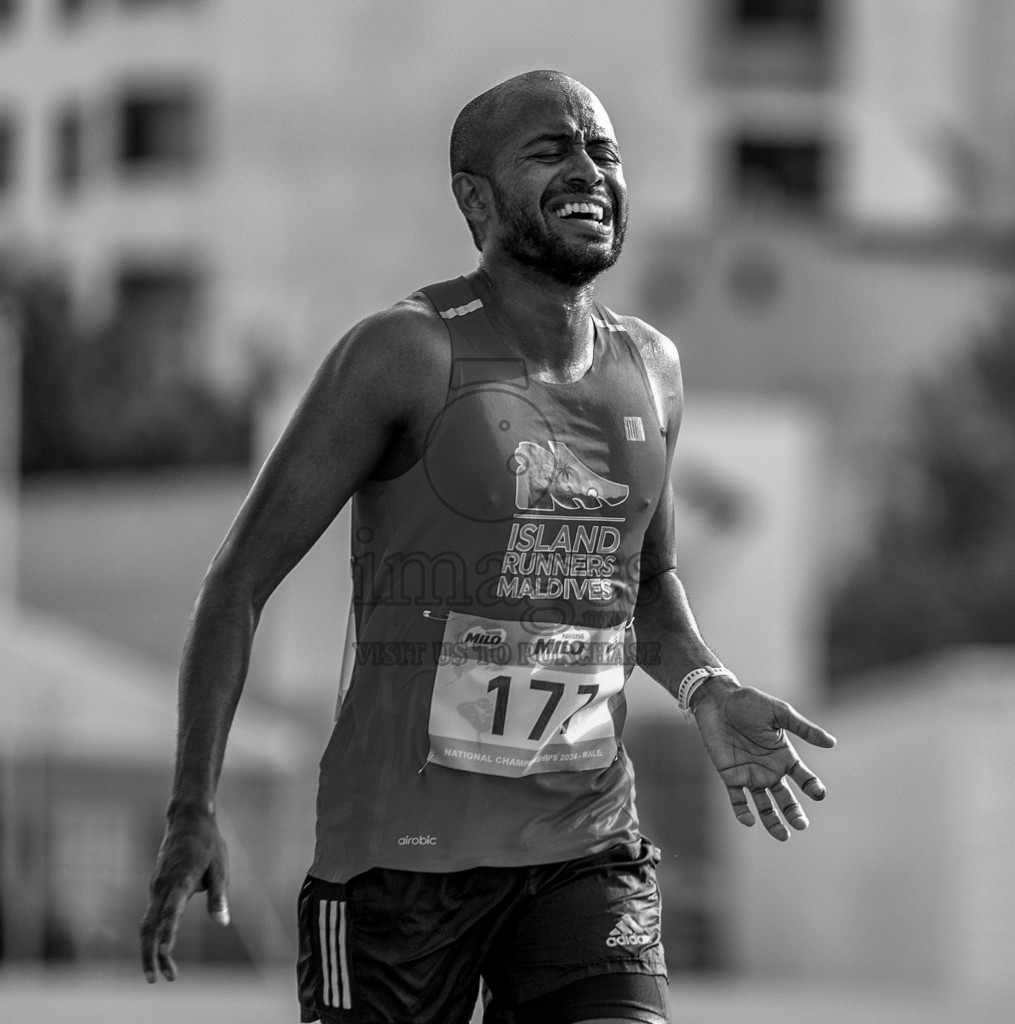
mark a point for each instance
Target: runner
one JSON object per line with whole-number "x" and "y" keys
{"x": 506, "y": 442}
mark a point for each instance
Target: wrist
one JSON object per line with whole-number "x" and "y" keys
{"x": 713, "y": 690}
{"x": 189, "y": 809}
{"x": 701, "y": 684}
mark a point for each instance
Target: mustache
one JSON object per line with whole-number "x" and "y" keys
{"x": 596, "y": 193}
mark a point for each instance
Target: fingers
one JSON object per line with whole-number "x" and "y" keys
{"x": 771, "y": 802}
{"x": 741, "y": 808}
{"x": 162, "y": 919}
{"x": 807, "y": 780}
{"x": 787, "y": 717}
{"x": 158, "y": 934}
{"x": 148, "y": 945}
{"x": 768, "y": 814}
{"x": 789, "y": 807}
{"x": 766, "y": 811}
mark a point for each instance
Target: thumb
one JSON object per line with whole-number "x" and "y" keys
{"x": 788, "y": 718}
{"x": 218, "y": 903}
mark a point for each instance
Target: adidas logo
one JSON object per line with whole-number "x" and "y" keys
{"x": 627, "y": 932}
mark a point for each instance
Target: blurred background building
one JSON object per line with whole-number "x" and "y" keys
{"x": 211, "y": 191}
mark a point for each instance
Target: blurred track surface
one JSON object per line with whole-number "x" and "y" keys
{"x": 30, "y": 997}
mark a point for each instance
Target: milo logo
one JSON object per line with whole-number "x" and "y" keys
{"x": 482, "y": 636}
{"x": 566, "y": 648}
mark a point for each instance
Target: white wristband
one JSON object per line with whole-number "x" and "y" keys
{"x": 694, "y": 679}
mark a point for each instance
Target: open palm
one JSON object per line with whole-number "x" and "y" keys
{"x": 744, "y": 733}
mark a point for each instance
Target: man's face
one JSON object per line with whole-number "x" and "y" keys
{"x": 558, "y": 187}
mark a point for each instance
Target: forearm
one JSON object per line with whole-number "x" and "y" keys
{"x": 212, "y": 674}
{"x": 668, "y": 633}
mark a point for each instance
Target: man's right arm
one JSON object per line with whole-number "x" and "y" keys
{"x": 363, "y": 415}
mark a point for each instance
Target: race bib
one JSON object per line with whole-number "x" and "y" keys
{"x": 512, "y": 699}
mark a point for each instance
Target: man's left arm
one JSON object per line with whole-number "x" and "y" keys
{"x": 744, "y": 730}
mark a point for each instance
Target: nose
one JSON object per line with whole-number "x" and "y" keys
{"x": 582, "y": 169}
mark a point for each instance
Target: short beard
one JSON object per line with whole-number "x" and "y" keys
{"x": 527, "y": 240}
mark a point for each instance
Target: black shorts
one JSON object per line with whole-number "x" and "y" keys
{"x": 575, "y": 940}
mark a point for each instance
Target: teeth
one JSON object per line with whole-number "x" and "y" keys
{"x": 569, "y": 209}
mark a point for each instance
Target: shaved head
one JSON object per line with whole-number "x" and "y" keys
{"x": 478, "y": 129}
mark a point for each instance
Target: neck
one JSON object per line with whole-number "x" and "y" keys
{"x": 548, "y": 323}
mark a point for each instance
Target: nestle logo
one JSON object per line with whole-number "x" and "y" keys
{"x": 418, "y": 841}
{"x": 479, "y": 637}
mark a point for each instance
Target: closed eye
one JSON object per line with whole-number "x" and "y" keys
{"x": 549, "y": 155}
{"x": 604, "y": 154}
{"x": 598, "y": 154}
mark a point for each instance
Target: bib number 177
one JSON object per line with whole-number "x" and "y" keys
{"x": 554, "y": 690}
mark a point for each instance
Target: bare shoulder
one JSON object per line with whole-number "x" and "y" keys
{"x": 661, "y": 358}
{"x": 404, "y": 350}
{"x": 383, "y": 383}
{"x": 658, "y": 351}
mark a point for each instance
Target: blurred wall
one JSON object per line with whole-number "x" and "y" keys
{"x": 317, "y": 190}
{"x": 124, "y": 556}
{"x": 904, "y": 877}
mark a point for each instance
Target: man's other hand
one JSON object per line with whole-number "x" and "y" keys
{"x": 192, "y": 858}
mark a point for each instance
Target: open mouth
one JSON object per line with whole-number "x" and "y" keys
{"x": 594, "y": 213}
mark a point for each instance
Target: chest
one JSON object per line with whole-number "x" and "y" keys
{"x": 503, "y": 450}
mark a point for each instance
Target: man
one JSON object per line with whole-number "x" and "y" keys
{"x": 507, "y": 443}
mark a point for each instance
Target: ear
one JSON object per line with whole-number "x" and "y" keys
{"x": 474, "y": 197}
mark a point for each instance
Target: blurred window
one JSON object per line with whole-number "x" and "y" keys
{"x": 806, "y": 15}
{"x": 69, "y": 142}
{"x": 159, "y": 129}
{"x": 8, "y": 151}
{"x": 781, "y": 176}
{"x": 773, "y": 42}
{"x": 159, "y": 303}
{"x": 93, "y": 852}
{"x": 8, "y": 12}
{"x": 72, "y": 9}
{"x": 164, "y": 293}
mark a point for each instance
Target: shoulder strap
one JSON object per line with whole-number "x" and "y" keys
{"x": 452, "y": 298}
{"x": 606, "y": 319}
{"x": 478, "y": 357}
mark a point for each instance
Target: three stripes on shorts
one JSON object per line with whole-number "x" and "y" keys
{"x": 335, "y": 980}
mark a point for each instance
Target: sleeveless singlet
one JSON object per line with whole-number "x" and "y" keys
{"x": 494, "y": 592}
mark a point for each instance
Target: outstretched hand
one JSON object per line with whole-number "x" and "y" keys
{"x": 192, "y": 858}
{"x": 744, "y": 733}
